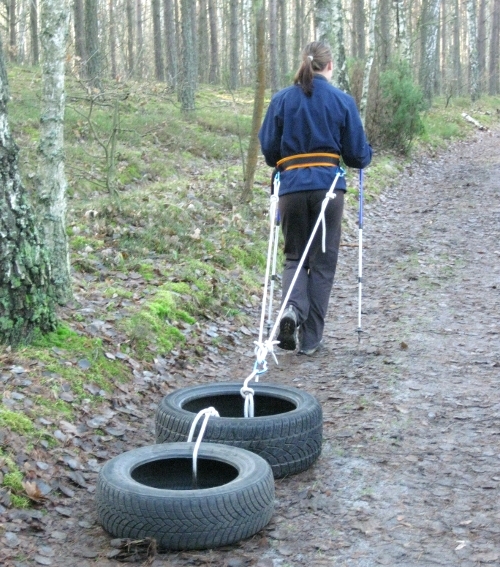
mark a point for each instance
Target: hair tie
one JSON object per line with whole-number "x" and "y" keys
{"x": 310, "y": 57}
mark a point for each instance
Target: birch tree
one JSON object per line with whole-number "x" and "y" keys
{"x": 51, "y": 190}
{"x": 369, "y": 60}
{"x": 323, "y": 10}
{"x": 402, "y": 36}
{"x": 26, "y": 301}
{"x": 341, "y": 77}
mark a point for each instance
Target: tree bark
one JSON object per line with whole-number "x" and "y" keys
{"x": 494, "y": 49}
{"x": 323, "y": 13}
{"x": 188, "y": 73}
{"x": 481, "y": 44}
{"x": 171, "y": 43}
{"x": 273, "y": 46}
{"x": 112, "y": 38}
{"x": 234, "y": 62}
{"x": 474, "y": 87}
{"x": 340, "y": 62}
{"x": 159, "y": 69}
{"x": 402, "y": 36}
{"x": 457, "y": 66}
{"x": 26, "y": 302}
{"x": 369, "y": 61}
{"x": 429, "y": 32}
{"x": 203, "y": 42}
{"x": 258, "y": 104}
{"x": 35, "y": 54}
{"x": 13, "y": 30}
{"x": 79, "y": 28}
{"x": 283, "y": 53}
{"x": 130, "y": 26}
{"x": 94, "y": 64}
{"x": 358, "y": 29}
{"x": 213, "y": 74}
{"x": 138, "y": 67}
{"x": 51, "y": 190}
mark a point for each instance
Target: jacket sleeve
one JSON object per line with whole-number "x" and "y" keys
{"x": 356, "y": 151}
{"x": 270, "y": 135}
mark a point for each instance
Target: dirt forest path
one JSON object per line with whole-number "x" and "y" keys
{"x": 409, "y": 474}
{"x": 410, "y": 469}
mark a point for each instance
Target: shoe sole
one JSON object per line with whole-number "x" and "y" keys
{"x": 286, "y": 336}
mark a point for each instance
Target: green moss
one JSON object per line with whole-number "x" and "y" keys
{"x": 15, "y": 421}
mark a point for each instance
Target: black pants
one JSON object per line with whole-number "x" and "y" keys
{"x": 311, "y": 292}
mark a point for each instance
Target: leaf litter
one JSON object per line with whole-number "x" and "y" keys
{"x": 410, "y": 479}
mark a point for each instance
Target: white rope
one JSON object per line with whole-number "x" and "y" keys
{"x": 321, "y": 219}
{"x": 207, "y": 413}
{"x": 262, "y": 348}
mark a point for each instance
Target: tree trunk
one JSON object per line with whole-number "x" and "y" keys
{"x": 273, "y": 46}
{"x": 234, "y": 62}
{"x": 26, "y": 302}
{"x": 473, "y": 53}
{"x": 369, "y": 60}
{"x": 203, "y": 43}
{"x": 358, "y": 29}
{"x": 138, "y": 67}
{"x": 481, "y": 44}
{"x": 494, "y": 49}
{"x": 298, "y": 37}
{"x": 35, "y": 55}
{"x": 171, "y": 43}
{"x": 429, "y": 32}
{"x": 94, "y": 65}
{"x": 51, "y": 190}
{"x": 159, "y": 69}
{"x": 130, "y": 20}
{"x": 282, "y": 4}
{"x": 79, "y": 28}
{"x": 213, "y": 74}
{"x": 258, "y": 104}
{"x": 457, "y": 66}
{"x": 323, "y": 13}
{"x": 188, "y": 73}
{"x": 112, "y": 38}
{"x": 340, "y": 63}
{"x": 402, "y": 36}
{"x": 384, "y": 37}
{"x": 13, "y": 30}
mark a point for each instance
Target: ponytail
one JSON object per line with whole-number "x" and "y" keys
{"x": 315, "y": 58}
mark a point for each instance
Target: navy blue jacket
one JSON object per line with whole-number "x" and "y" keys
{"x": 328, "y": 121}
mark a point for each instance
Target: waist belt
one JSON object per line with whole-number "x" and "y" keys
{"x": 308, "y": 160}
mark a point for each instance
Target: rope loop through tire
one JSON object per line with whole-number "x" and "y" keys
{"x": 206, "y": 413}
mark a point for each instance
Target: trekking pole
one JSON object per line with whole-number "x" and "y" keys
{"x": 360, "y": 253}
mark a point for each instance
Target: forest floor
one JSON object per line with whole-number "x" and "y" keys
{"x": 409, "y": 474}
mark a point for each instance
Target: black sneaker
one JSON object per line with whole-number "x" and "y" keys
{"x": 287, "y": 337}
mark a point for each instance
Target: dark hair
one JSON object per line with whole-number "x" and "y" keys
{"x": 315, "y": 58}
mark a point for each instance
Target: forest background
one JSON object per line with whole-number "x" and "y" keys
{"x": 134, "y": 202}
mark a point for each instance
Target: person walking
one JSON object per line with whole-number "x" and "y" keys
{"x": 309, "y": 126}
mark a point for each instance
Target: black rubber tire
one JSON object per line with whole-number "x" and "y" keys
{"x": 286, "y": 430}
{"x": 147, "y": 492}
